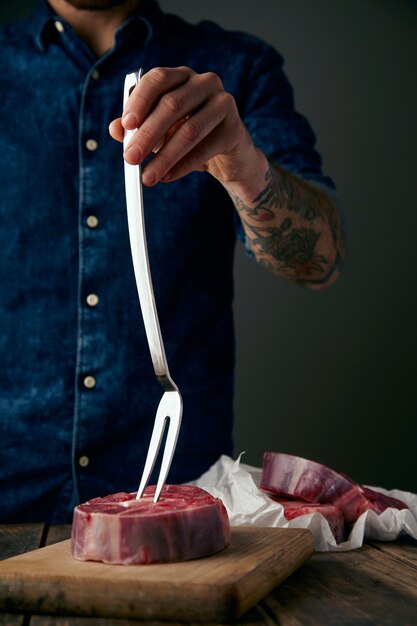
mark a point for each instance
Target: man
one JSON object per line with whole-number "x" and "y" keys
{"x": 224, "y": 156}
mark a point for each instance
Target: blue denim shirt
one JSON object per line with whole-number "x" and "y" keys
{"x": 78, "y": 393}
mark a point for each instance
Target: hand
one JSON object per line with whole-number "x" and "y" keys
{"x": 190, "y": 123}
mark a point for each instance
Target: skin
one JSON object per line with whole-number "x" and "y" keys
{"x": 191, "y": 123}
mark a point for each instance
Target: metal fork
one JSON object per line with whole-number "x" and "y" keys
{"x": 170, "y": 406}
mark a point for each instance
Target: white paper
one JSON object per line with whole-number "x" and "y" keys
{"x": 236, "y": 484}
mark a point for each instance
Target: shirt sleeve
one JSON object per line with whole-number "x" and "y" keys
{"x": 284, "y": 135}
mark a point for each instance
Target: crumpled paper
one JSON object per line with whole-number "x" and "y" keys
{"x": 236, "y": 484}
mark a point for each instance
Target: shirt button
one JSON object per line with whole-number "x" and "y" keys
{"x": 95, "y": 74}
{"x": 92, "y": 299}
{"x": 89, "y": 382}
{"x": 83, "y": 461}
{"x": 59, "y": 26}
{"x": 92, "y": 221}
{"x": 91, "y": 144}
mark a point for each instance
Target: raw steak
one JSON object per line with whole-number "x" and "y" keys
{"x": 294, "y": 477}
{"x": 185, "y": 523}
{"x": 332, "y": 513}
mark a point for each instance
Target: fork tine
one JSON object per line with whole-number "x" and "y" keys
{"x": 171, "y": 440}
{"x": 174, "y": 415}
{"x": 153, "y": 449}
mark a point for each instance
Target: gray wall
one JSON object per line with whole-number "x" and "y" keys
{"x": 330, "y": 375}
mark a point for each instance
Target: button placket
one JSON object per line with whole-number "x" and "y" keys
{"x": 91, "y": 358}
{"x": 92, "y": 299}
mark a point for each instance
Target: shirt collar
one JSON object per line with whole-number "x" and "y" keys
{"x": 43, "y": 18}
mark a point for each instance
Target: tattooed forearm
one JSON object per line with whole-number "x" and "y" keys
{"x": 292, "y": 227}
{"x": 292, "y": 248}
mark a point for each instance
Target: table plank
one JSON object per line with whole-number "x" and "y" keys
{"x": 360, "y": 588}
{"x": 19, "y": 538}
{"x": 58, "y": 533}
{"x": 254, "y": 617}
{"x": 403, "y": 550}
{"x": 16, "y": 539}
{"x": 7, "y": 619}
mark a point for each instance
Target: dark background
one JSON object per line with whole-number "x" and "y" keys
{"x": 331, "y": 375}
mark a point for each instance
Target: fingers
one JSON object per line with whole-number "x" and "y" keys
{"x": 183, "y": 117}
{"x": 197, "y": 158}
{"x": 172, "y": 107}
{"x": 201, "y": 136}
{"x": 153, "y": 85}
{"x": 151, "y": 88}
{"x": 116, "y": 129}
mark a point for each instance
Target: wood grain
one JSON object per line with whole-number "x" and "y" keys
{"x": 218, "y": 588}
{"x": 403, "y": 550}
{"x": 19, "y": 538}
{"x": 334, "y": 589}
{"x": 7, "y": 619}
{"x": 360, "y": 588}
{"x": 253, "y": 617}
{"x": 58, "y": 533}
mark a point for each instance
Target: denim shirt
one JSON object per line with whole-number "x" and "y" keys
{"x": 78, "y": 394}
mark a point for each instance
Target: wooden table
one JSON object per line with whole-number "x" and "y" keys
{"x": 373, "y": 586}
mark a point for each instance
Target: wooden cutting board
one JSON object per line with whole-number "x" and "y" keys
{"x": 213, "y": 589}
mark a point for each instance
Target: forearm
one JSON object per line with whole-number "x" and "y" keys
{"x": 292, "y": 226}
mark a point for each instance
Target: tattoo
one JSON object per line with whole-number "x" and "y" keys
{"x": 281, "y": 192}
{"x": 288, "y": 245}
{"x": 271, "y": 194}
{"x": 293, "y": 250}
{"x": 259, "y": 212}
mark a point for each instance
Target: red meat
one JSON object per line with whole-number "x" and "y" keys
{"x": 185, "y": 523}
{"x": 381, "y": 501}
{"x": 333, "y": 515}
{"x": 294, "y": 477}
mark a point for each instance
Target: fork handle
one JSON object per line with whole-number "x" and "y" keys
{"x": 139, "y": 250}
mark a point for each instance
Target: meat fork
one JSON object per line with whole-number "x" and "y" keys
{"x": 170, "y": 406}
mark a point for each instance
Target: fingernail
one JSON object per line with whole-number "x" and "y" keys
{"x": 130, "y": 121}
{"x": 149, "y": 177}
{"x": 133, "y": 153}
